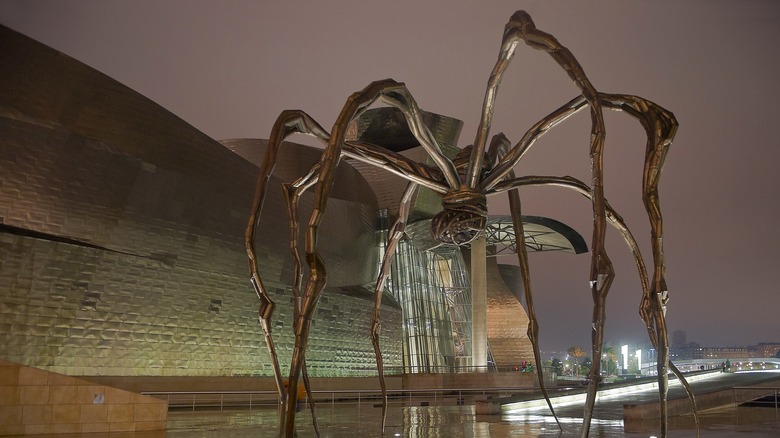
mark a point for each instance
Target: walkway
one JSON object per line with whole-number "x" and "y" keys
{"x": 340, "y": 420}
{"x": 612, "y": 398}
{"x": 362, "y": 421}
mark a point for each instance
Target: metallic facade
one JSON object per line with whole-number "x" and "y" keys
{"x": 121, "y": 232}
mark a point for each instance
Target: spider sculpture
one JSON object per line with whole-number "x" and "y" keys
{"x": 480, "y": 170}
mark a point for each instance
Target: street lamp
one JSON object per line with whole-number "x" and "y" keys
{"x": 604, "y": 363}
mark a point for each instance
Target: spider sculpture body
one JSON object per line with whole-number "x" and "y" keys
{"x": 480, "y": 170}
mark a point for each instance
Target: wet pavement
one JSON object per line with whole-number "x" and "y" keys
{"x": 446, "y": 418}
{"x": 339, "y": 421}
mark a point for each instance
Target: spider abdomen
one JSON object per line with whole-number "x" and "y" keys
{"x": 463, "y": 218}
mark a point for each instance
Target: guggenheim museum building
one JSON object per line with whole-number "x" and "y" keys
{"x": 122, "y": 252}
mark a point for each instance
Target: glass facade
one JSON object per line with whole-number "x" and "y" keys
{"x": 452, "y": 282}
{"x": 428, "y": 343}
{"x": 435, "y": 296}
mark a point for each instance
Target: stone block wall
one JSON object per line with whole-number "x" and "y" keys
{"x": 33, "y": 401}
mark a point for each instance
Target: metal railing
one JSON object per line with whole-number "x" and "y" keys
{"x": 221, "y": 400}
{"x": 459, "y": 369}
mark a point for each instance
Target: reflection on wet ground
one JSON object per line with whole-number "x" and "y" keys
{"x": 438, "y": 417}
{"x": 363, "y": 421}
{"x": 338, "y": 421}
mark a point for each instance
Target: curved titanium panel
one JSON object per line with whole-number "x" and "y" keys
{"x": 387, "y": 127}
{"x": 121, "y": 238}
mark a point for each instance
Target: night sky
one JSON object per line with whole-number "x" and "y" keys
{"x": 229, "y": 68}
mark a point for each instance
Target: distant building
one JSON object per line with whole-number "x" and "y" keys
{"x": 679, "y": 339}
{"x": 687, "y": 351}
{"x": 765, "y": 349}
{"x": 693, "y": 350}
{"x": 722, "y": 353}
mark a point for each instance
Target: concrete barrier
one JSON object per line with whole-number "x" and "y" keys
{"x": 487, "y": 406}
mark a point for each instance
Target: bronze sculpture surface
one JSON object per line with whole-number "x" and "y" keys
{"x": 480, "y": 170}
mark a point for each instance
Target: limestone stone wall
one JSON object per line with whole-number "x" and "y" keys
{"x": 33, "y": 401}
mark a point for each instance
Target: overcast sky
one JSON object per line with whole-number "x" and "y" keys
{"x": 229, "y": 67}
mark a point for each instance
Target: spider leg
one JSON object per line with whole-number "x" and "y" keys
{"x": 414, "y": 172}
{"x": 400, "y": 165}
{"x": 392, "y": 93}
{"x": 394, "y": 236}
{"x": 378, "y": 157}
{"x": 397, "y": 95}
{"x": 660, "y": 126}
{"x": 292, "y": 194}
{"x": 522, "y": 28}
{"x": 611, "y": 215}
{"x": 410, "y": 170}
{"x": 647, "y": 313}
{"x": 287, "y": 123}
{"x": 397, "y": 164}
{"x": 507, "y": 162}
{"x": 498, "y": 148}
